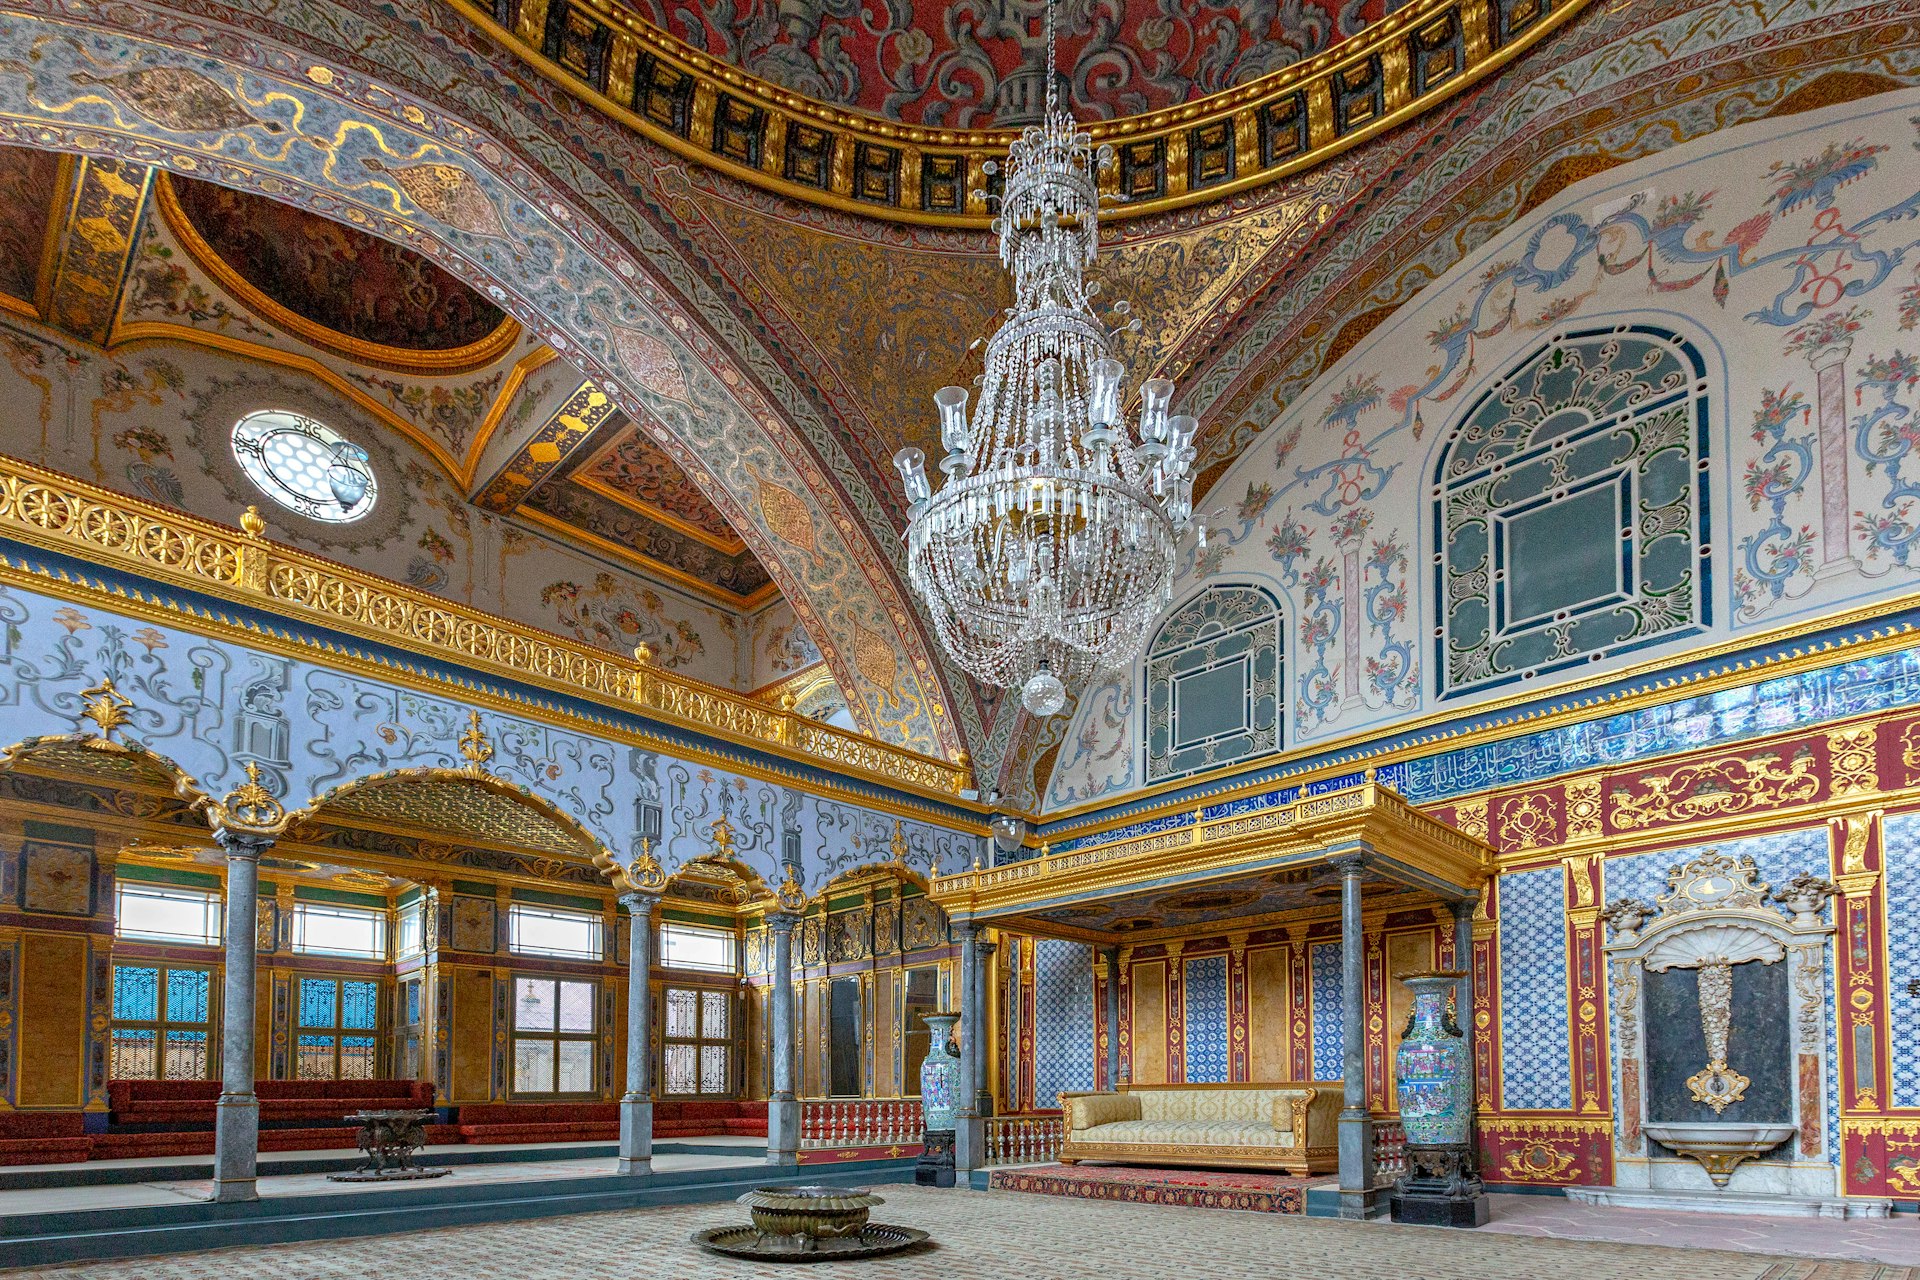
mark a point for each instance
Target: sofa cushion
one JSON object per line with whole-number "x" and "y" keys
{"x": 1101, "y": 1108}
{"x": 1186, "y": 1133}
{"x": 1241, "y": 1105}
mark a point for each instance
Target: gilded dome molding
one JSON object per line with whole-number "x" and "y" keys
{"x": 714, "y": 113}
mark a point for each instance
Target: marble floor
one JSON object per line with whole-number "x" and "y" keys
{"x": 163, "y": 1189}
{"x": 1894, "y": 1240}
{"x": 1008, "y": 1236}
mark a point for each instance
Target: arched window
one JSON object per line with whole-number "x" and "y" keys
{"x": 1213, "y": 683}
{"x": 1570, "y": 510}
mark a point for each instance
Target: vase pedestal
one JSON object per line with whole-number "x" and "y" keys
{"x": 935, "y": 1167}
{"x": 1442, "y": 1188}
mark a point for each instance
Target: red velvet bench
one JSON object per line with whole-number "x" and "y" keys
{"x": 193, "y": 1102}
{"x": 44, "y": 1137}
{"x": 487, "y": 1124}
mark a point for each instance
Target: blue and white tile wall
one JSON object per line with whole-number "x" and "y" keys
{"x": 1536, "y": 1061}
{"x": 1780, "y": 855}
{"x": 1323, "y": 961}
{"x": 1207, "y": 1032}
{"x": 1063, "y": 1034}
{"x": 1902, "y": 845}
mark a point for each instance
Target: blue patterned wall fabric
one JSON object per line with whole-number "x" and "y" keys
{"x": 1207, "y": 1033}
{"x": 1213, "y": 683}
{"x": 1570, "y": 510}
{"x": 208, "y": 705}
{"x": 1329, "y": 1031}
{"x": 1536, "y": 1058}
{"x": 1779, "y": 855}
{"x": 1063, "y": 1034}
{"x": 1902, "y": 852}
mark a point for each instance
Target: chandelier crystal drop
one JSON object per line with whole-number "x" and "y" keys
{"x": 1048, "y": 551}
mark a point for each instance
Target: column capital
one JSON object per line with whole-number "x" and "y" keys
{"x": 782, "y": 921}
{"x": 986, "y": 948}
{"x": 1350, "y": 862}
{"x": 637, "y": 901}
{"x": 1464, "y": 908}
{"x": 242, "y": 846}
{"x": 967, "y": 931}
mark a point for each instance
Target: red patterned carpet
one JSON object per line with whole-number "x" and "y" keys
{"x": 1188, "y": 1188}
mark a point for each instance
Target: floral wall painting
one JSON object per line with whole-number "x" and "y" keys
{"x": 610, "y": 613}
{"x": 1704, "y": 409}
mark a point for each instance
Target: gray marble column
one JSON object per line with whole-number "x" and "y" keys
{"x": 983, "y": 1101}
{"x": 236, "y": 1135}
{"x": 1463, "y": 990}
{"x": 636, "y": 1105}
{"x": 1113, "y": 1017}
{"x": 1356, "y": 1122}
{"x": 783, "y": 1109}
{"x": 969, "y": 1137}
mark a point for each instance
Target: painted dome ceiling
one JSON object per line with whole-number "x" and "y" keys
{"x": 335, "y": 276}
{"x": 976, "y": 63}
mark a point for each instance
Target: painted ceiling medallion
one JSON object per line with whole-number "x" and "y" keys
{"x": 1049, "y": 552}
{"x": 334, "y": 286}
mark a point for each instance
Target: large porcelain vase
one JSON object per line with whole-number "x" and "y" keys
{"x": 940, "y": 1074}
{"x": 1433, "y": 1070}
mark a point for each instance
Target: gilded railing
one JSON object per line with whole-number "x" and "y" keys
{"x": 1251, "y": 134}
{"x": 48, "y": 510}
{"x": 827, "y": 1123}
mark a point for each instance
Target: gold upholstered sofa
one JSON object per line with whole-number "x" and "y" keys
{"x": 1292, "y": 1125}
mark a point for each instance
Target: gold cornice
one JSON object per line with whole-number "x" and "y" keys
{"x": 44, "y": 509}
{"x": 1369, "y": 816}
{"x": 433, "y": 364}
{"x": 1749, "y": 671}
{"x": 1388, "y": 51}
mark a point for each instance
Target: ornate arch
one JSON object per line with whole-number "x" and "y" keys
{"x": 263, "y": 108}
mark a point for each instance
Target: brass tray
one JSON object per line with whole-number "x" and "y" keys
{"x": 874, "y": 1240}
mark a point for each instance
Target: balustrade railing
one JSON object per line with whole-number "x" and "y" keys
{"x": 1389, "y": 1150}
{"x": 858, "y": 1122}
{"x": 1025, "y": 1139}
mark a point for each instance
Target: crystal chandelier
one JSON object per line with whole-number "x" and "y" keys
{"x": 1048, "y": 552}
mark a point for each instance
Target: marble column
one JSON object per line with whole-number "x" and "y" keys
{"x": 1113, "y": 1017}
{"x": 636, "y": 1105}
{"x": 236, "y": 1135}
{"x": 1463, "y": 990}
{"x": 783, "y": 1109}
{"x": 983, "y": 1103}
{"x": 1356, "y": 1122}
{"x": 969, "y": 1138}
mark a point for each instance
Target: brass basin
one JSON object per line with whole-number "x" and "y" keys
{"x": 809, "y": 1213}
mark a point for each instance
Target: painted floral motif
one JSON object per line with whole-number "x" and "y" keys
{"x": 161, "y": 285}
{"x": 452, "y": 411}
{"x": 613, "y": 614}
{"x": 1885, "y": 434}
{"x": 1777, "y": 556}
{"x": 1815, "y": 179}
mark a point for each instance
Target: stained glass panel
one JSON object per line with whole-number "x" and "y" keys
{"x": 533, "y": 1066}
{"x": 576, "y": 1006}
{"x": 682, "y": 1009}
{"x": 713, "y": 1014}
{"x": 187, "y": 991}
{"x": 131, "y": 1054}
{"x": 356, "y": 1057}
{"x": 713, "y": 1068}
{"x": 360, "y": 1005}
{"x": 136, "y": 995}
{"x": 318, "y": 1004}
{"x": 186, "y": 1055}
{"x": 533, "y": 1004}
{"x": 576, "y": 1066}
{"x": 412, "y": 1014}
{"x": 681, "y": 1062}
{"x": 313, "y": 1058}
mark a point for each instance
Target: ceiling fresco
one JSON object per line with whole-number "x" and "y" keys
{"x": 29, "y": 184}
{"x": 351, "y": 284}
{"x": 975, "y": 63}
{"x": 646, "y": 479}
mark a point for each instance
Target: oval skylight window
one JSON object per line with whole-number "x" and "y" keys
{"x": 305, "y": 465}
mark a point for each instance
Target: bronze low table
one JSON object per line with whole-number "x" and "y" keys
{"x": 390, "y": 1138}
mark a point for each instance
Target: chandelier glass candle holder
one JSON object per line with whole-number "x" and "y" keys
{"x": 1048, "y": 551}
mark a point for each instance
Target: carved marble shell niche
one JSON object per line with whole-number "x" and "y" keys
{"x": 1715, "y": 917}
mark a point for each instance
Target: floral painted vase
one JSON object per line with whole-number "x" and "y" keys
{"x": 1433, "y": 1069}
{"x": 940, "y": 1074}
